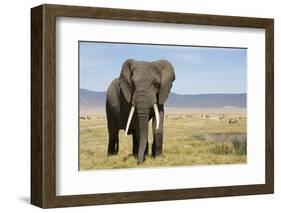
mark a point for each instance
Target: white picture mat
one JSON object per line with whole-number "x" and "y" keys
{"x": 70, "y": 181}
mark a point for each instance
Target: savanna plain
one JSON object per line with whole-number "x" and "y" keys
{"x": 191, "y": 137}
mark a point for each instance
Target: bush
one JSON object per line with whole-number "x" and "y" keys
{"x": 222, "y": 149}
{"x": 240, "y": 147}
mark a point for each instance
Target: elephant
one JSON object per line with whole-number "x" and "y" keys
{"x": 135, "y": 98}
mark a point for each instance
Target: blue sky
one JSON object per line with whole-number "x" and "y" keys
{"x": 199, "y": 70}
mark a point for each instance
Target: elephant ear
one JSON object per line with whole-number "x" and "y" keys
{"x": 167, "y": 76}
{"x": 126, "y": 81}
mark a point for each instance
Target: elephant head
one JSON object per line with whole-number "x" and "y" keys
{"x": 145, "y": 85}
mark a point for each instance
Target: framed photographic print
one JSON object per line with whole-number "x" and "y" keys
{"x": 136, "y": 106}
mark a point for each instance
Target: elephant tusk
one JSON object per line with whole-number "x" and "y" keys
{"x": 156, "y": 111}
{"x": 129, "y": 120}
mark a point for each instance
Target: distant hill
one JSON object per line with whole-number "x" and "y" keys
{"x": 207, "y": 100}
{"x": 90, "y": 98}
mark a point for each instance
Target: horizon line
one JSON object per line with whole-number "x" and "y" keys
{"x": 238, "y": 93}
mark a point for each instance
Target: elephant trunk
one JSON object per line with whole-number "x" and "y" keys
{"x": 143, "y": 117}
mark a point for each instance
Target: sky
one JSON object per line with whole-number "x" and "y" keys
{"x": 198, "y": 70}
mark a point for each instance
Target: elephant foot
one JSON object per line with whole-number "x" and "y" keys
{"x": 156, "y": 150}
{"x": 113, "y": 148}
{"x": 156, "y": 154}
{"x": 111, "y": 153}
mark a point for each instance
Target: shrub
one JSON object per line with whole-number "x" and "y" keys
{"x": 222, "y": 149}
{"x": 240, "y": 147}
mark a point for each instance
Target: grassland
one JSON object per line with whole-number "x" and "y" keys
{"x": 191, "y": 137}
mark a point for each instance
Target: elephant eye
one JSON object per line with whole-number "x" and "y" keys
{"x": 155, "y": 83}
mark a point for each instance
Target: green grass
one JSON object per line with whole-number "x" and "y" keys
{"x": 187, "y": 141}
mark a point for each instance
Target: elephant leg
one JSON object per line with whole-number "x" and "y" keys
{"x": 113, "y": 144}
{"x": 135, "y": 144}
{"x": 157, "y": 145}
{"x": 146, "y": 149}
{"x": 113, "y": 141}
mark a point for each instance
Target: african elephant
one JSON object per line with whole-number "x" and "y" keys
{"x": 133, "y": 99}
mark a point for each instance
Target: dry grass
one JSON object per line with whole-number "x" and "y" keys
{"x": 188, "y": 140}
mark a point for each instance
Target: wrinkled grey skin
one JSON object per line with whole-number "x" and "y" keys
{"x": 140, "y": 84}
